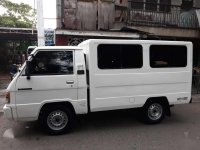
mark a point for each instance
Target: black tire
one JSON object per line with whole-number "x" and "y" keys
{"x": 153, "y": 112}
{"x": 57, "y": 120}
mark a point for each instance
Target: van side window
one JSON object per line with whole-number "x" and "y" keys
{"x": 118, "y": 56}
{"x": 168, "y": 56}
{"x": 52, "y": 62}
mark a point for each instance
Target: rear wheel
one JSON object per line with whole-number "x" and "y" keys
{"x": 57, "y": 120}
{"x": 154, "y": 112}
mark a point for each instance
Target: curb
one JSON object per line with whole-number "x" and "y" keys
{"x": 4, "y": 78}
{"x": 196, "y": 101}
{"x": 2, "y": 93}
{"x": 196, "y": 98}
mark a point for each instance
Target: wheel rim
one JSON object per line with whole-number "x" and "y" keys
{"x": 155, "y": 111}
{"x": 57, "y": 120}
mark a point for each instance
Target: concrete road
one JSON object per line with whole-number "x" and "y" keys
{"x": 118, "y": 130}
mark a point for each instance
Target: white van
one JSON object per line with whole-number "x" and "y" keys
{"x": 57, "y": 83}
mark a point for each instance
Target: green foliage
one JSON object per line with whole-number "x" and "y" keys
{"x": 9, "y": 51}
{"x": 17, "y": 15}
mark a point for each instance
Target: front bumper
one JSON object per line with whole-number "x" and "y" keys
{"x": 8, "y": 112}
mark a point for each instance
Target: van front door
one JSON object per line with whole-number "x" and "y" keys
{"x": 52, "y": 79}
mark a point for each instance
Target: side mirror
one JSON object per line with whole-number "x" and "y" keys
{"x": 28, "y": 65}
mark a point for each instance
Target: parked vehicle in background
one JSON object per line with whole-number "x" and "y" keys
{"x": 59, "y": 82}
{"x": 13, "y": 70}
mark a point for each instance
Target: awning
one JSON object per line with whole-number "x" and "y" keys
{"x": 98, "y": 34}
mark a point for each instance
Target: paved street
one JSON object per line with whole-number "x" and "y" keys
{"x": 4, "y": 80}
{"x": 119, "y": 130}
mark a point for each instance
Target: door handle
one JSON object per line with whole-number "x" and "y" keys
{"x": 70, "y": 82}
{"x": 24, "y": 89}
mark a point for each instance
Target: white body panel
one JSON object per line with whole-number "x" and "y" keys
{"x": 44, "y": 90}
{"x": 128, "y": 88}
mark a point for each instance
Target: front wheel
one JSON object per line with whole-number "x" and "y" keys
{"x": 154, "y": 112}
{"x": 57, "y": 120}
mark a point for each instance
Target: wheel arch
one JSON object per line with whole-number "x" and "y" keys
{"x": 160, "y": 99}
{"x": 53, "y": 104}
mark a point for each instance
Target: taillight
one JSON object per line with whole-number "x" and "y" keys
{"x": 7, "y": 97}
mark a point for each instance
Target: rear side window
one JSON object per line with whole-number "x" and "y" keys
{"x": 168, "y": 56}
{"x": 52, "y": 63}
{"x": 117, "y": 56}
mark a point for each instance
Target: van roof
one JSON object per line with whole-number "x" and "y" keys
{"x": 128, "y": 41}
{"x": 47, "y": 48}
{"x": 58, "y": 47}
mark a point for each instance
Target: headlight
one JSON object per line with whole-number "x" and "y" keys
{"x": 7, "y": 94}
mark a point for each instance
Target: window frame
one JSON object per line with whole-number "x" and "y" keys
{"x": 167, "y": 67}
{"x": 161, "y": 6}
{"x": 131, "y": 68}
{"x": 57, "y": 50}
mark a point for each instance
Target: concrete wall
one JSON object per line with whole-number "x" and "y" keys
{"x": 196, "y": 3}
{"x": 106, "y": 14}
{"x": 58, "y": 13}
{"x": 168, "y": 32}
{"x": 176, "y": 2}
{"x": 90, "y": 14}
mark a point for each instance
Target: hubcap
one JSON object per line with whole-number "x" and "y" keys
{"x": 155, "y": 111}
{"x": 57, "y": 120}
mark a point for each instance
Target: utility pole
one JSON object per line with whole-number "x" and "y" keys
{"x": 40, "y": 23}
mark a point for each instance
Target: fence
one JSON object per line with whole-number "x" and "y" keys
{"x": 161, "y": 15}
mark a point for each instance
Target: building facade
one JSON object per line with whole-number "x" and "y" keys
{"x": 163, "y": 18}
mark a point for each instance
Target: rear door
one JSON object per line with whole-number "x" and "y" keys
{"x": 52, "y": 78}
